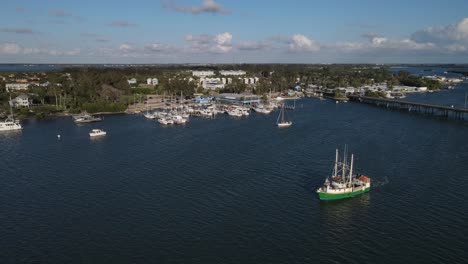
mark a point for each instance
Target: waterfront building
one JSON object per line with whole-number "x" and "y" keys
{"x": 152, "y": 81}
{"x": 212, "y": 83}
{"x": 203, "y": 73}
{"x": 238, "y": 98}
{"x": 233, "y": 73}
{"x": 202, "y": 100}
{"x": 16, "y": 86}
{"x": 132, "y": 81}
{"x": 20, "y": 101}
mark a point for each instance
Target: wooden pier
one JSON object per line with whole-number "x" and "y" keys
{"x": 422, "y": 108}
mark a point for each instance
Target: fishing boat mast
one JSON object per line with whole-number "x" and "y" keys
{"x": 336, "y": 164}
{"x": 343, "y": 177}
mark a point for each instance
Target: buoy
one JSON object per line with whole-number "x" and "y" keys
{"x": 58, "y": 136}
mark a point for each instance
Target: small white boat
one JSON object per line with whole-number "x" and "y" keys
{"x": 85, "y": 118}
{"x": 150, "y": 115}
{"x": 261, "y": 109}
{"x": 97, "y": 133}
{"x": 281, "y": 122}
{"x": 179, "y": 120}
{"x": 165, "y": 121}
{"x": 235, "y": 112}
{"x": 284, "y": 124}
{"x": 10, "y": 123}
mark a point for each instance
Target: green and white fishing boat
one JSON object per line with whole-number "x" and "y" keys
{"x": 343, "y": 183}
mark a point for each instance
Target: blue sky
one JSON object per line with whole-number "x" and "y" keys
{"x": 226, "y": 31}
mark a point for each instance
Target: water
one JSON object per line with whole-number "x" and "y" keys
{"x": 235, "y": 191}
{"x": 455, "y": 97}
{"x": 29, "y": 67}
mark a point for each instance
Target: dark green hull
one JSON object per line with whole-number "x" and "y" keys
{"x": 328, "y": 196}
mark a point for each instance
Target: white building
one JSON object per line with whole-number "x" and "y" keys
{"x": 132, "y": 81}
{"x": 232, "y": 73}
{"x": 20, "y": 101}
{"x": 212, "y": 83}
{"x": 203, "y": 73}
{"x": 152, "y": 81}
{"x": 16, "y": 86}
{"x": 250, "y": 81}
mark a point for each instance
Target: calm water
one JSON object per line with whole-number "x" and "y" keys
{"x": 235, "y": 191}
{"x": 28, "y": 67}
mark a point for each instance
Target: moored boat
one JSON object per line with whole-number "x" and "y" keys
{"x": 10, "y": 124}
{"x": 85, "y": 118}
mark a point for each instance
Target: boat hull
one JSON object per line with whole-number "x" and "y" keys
{"x": 288, "y": 124}
{"x": 338, "y": 196}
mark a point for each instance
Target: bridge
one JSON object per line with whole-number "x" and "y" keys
{"x": 423, "y": 108}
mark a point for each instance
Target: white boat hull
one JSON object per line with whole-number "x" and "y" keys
{"x": 97, "y": 134}
{"x": 286, "y": 124}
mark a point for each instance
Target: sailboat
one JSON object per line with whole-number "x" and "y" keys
{"x": 343, "y": 183}
{"x": 10, "y": 123}
{"x": 148, "y": 114}
{"x": 281, "y": 122}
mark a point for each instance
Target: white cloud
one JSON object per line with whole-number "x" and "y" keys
{"x": 159, "y": 47}
{"x": 223, "y": 42}
{"x": 207, "y": 6}
{"x": 348, "y": 46}
{"x": 252, "y": 45}
{"x": 73, "y": 52}
{"x": 378, "y": 41}
{"x": 457, "y": 48}
{"x": 126, "y": 48}
{"x": 300, "y": 43}
{"x": 449, "y": 34}
{"x": 204, "y": 43}
{"x": 10, "y": 48}
{"x": 462, "y": 27}
{"x": 199, "y": 39}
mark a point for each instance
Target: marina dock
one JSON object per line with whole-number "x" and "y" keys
{"x": 415, "y": 107}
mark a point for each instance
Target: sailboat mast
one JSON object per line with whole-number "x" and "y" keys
{"x": 351, "y": 169}
{"x": 282, "y": 114}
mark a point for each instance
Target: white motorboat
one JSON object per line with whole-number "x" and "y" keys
{"x": 235, "y": 112}
{"x": 85, "y": 118}
{"x": 97, "y": 133}
{"x": 261, "y": 109}
{"x": 165, "y": 121}
{"x": 10, "y": 124}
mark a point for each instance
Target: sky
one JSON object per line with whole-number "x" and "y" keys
{"x": 234, "y": 31}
